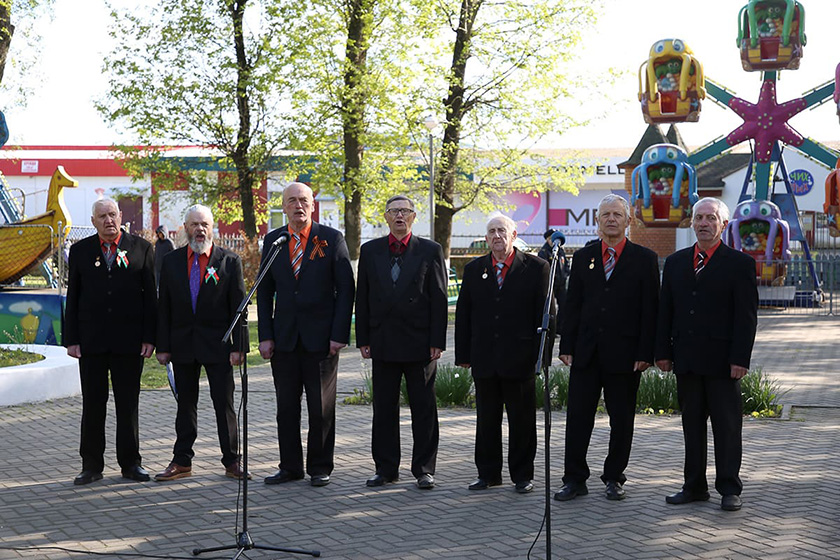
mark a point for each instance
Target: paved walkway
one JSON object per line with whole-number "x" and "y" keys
{"x": 790, "y": 509}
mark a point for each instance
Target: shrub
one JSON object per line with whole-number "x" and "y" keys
{"x": 760, "y": 394}
{"x": 365, "y": 394}
{"x": 558, "y": 383}
{"x": 657, "y": 392}
{"x": 454, "y": 386}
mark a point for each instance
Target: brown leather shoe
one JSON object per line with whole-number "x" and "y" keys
{"x": 172, "y": 472}
{"x": 235, "y": 471}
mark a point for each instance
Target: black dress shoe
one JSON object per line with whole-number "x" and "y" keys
{"x": 319, "y": 479}
{"x": 136, "y": 473}
{"x": 570, "y": 491}
{"x": 380, "y": 480}
{"x": 86, "y": 477}
{"x": 615, "y": 491}
{"x": 282, "y": 476}
{"x": 730, "y": 503}
{"x": 524, "y": 487}
{"x": 484, "y": 484}
{"x": 686, "y": 497}
{"x": 426, "y": 482}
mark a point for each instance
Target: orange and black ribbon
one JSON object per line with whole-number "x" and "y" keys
{"x": 318, "y": 246}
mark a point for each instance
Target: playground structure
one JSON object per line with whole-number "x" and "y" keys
{"x": 771, "y": 37}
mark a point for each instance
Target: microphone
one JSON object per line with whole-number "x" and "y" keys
{"x": 282, "y": 239}
{"x": 558, "y": 239}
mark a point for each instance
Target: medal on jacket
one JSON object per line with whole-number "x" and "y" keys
{"x": 592, "y": 263}
{"x": 484, "y": 276}
{"x": 97, "y": 263}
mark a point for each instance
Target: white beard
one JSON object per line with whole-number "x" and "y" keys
{"x": 201, "y": 248}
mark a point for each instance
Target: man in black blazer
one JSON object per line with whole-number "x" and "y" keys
{"x": 201, "y": 287}
{"x": 401, "y": 314}
{"x": 109, "y": 326}
{"x": 708, "y": 314}
{"x": 607, "y": 338}
{"x": 305, "y": 304}
{"x": 497, "y": 322}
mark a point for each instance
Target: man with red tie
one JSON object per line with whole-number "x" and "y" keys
{"x": 708, "y": 315}
{"x": 607, "y": 338}
{"x": 109, "y": 326}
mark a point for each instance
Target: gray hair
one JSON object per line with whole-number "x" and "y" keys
{"x": 400, "y": 197}
{"x": 721, "y": 209}
{"x": 198, "y": 208}
{"x": 615, "y": 198}
{"x": 102, "y": 201}
{"x": 508, "y": 222}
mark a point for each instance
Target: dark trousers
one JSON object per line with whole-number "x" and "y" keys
{"x": 385, "y": 444}
{"x": 620, "y": 390}
{"x": 220, "y": 377}
{"x": 125, "y": 370}
{"x": 518, "y": 397}
{"x": 702, "y": 397}
{"x": 317, "y": 373}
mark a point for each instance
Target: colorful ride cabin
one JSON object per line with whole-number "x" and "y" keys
{"x": 671, "y": 83}
{"x": 664, "y": 187}
{"x": 771, "y": 34}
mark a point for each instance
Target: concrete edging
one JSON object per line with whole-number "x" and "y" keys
{"x": 54, "y": 377}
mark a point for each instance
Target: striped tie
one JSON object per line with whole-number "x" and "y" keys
{"x": 297, "y": 255}
{"x": 609, "y": 266}
{"x": 499, "y": 278}
{"x": 701, "y": 262}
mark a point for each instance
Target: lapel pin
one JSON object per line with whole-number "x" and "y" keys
{"x": 97, "y": 263}
{"x": 592, "y": 263}
{"x": 484, "y": 276}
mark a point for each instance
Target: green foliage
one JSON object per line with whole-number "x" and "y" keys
{"x": 558, "y": 383}
{"x": 657, "y": 392}
{"x": 760, "y": 394}
{"x": 17, "y": 357}
{"x": 454, "y": 386}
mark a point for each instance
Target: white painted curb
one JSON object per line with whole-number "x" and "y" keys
{"x": 55, "y": 377}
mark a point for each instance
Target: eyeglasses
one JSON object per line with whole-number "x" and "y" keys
{"x": 399, "y": 211}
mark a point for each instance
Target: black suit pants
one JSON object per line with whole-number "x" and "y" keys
{"x": 492, "y": 396}
{"x": 702, "y": 397}
{"x": 125, "y": 370}
{"x": 220, "y": 378}
{"x": 620, "y": 390}
{"x": 385, "y": 445}
{"x": 316, "y": 372}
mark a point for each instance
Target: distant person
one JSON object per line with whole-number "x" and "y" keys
{"x": 607, "y": 338}
{"x": 110, "y": 322}
{"x": 201, "y": 287}
{"x": 163, "y": 246}
{"x": 708, "y": 313}
{"x": 497, "y": 320}
{"x": 561, "y": 272}
{"x": 401, "y": 315}
{"x": 305, "y": 305}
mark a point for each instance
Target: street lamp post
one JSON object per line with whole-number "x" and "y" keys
{"x": 431, "y": 124}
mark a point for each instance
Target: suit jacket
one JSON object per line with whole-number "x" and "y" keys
{"x": 613, "y": 319}
{"x": 707, "y": 322}
{"x": 318, "y": 305}
{"x": 198, "y": 336}
{"x": 401, "y": 322}
{"x": 111, "y": 311}
{"x": 496, "y": 330}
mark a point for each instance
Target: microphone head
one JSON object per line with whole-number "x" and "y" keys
{"x": 558, "y": 237}
{"x": 284, "y": 236}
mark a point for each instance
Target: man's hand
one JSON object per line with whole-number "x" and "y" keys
{"x": 163, "y": 358}
{"x": 74, "y": 351}
{"x": 146, "y": 349}
{"x": 566, "y": 359}
{"x": 365, "y": 350}
{"x": 335, "y": 347}
{"x": 435, "y": 353}
{"x": 266, "y": 349}
{"x": 641, "y": 366}
{"x": 665, "y": 365}
{"x": 236, "y": 358}
{"x": 737, "y": 372}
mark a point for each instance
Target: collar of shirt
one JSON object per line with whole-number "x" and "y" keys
{"x": 404, "y": 241}
{"x": 618, "y": 250}
{"x": 709, "y": 252}
{"x": 203, "y": 259}
{"x": 114, "y": 244}
{"x": 508, "y": 261}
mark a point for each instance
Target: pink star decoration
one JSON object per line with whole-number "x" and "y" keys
{"x": 766, "y": 121}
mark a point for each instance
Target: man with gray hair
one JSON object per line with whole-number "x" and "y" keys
{"x": 497, "y": 321}
{"x": 607, "y": 339}
{"x": 201, "y": 287}
{"x": 109, "y": 326}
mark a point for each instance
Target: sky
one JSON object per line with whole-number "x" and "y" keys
{"x": 61, "y": 112}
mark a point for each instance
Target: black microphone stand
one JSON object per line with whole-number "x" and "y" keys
{"x": 545, "y": 330}
{"x": 244, "y": 541}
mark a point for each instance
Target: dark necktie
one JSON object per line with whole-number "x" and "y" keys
{"x": 195, "y": 280}
{"x": 109, "y": 255}
{"x": 396, "y": 260}
{"x": 701, "y": 262}
{"x": 499, "y": 278}
{"x": 609, "y": 266}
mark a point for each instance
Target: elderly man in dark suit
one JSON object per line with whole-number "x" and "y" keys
{"x": 305, "y": 304}
{"x": 401, "y": 313}
{"x": 607, "y": 338}
{"x": 708, "y": 314}
{"x": 200, "y": 290}
{"x": 497, "y": 322}
{"x": 109, "y": 326}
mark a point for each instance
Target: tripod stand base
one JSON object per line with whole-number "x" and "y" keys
{"x": 245, "y": 542}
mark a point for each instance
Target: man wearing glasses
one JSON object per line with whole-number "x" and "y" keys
{"x": 401, "y": 314}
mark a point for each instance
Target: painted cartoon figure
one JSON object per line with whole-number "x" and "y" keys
{"x": 671, "y": 83}
{"x": 831, "y": 206}
{"x": 771, "y": 34}
{"x": 664, "y": 187}
{"x": 757, "y": 228}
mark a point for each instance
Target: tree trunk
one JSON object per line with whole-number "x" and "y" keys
{"x": 7, "y": 30}
{"x": 353, "y": 105}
